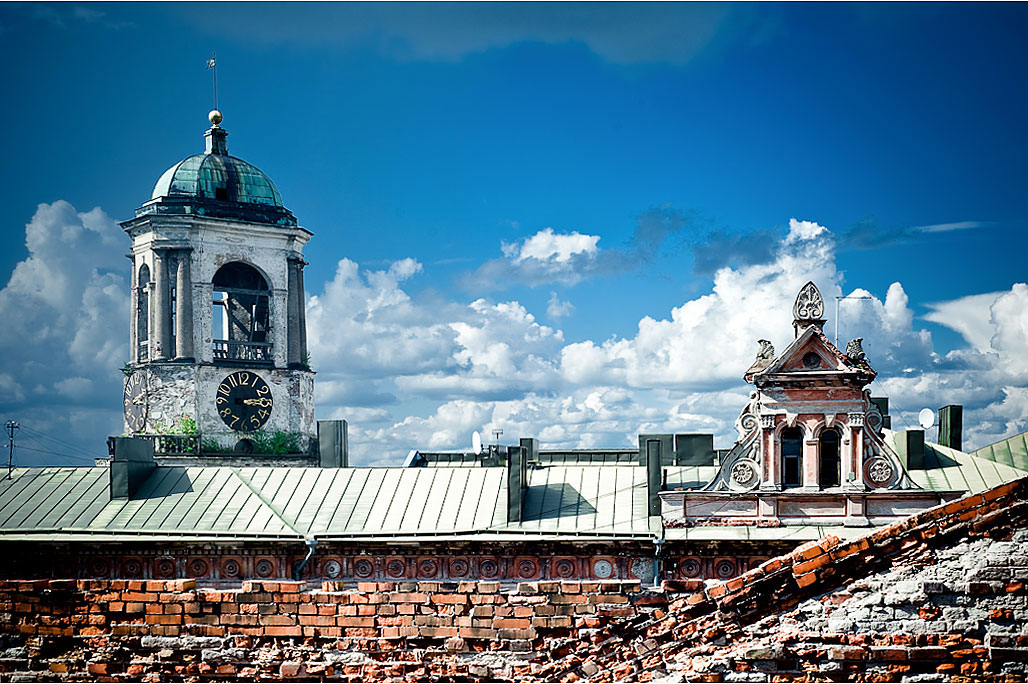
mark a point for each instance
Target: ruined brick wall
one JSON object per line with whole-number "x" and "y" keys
{"x": 938, "y": 595}
{"x": 171, "y": 629}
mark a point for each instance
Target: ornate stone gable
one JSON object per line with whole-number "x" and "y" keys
{"x": 810, "y": 438}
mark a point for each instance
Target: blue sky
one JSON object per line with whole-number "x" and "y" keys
{"x": 434, "y": 145}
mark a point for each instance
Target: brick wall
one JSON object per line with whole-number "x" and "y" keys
{"x": 135, "y": 628}
{"x": 702, "y": 633}
{"x": 941, "y": 594}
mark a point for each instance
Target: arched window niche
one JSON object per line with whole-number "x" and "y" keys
{"x": 143, "y": 314}
{"x": 829, "y": 461}
{"x": 241, "y": 315}
{"x": 792, "y": 457}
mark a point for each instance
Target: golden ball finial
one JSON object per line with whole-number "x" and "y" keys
{"x": 215, "y": 117}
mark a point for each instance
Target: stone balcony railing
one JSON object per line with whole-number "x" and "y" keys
{"x": 249, "y": 352}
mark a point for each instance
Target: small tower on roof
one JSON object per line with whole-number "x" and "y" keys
{"x": 218, "y": 332}
{"x": 810, "y": 427}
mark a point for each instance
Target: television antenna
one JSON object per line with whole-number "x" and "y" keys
{"x": 839, "y": 298}
{"x": 496, "y": 435}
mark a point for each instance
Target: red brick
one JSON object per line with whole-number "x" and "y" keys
{"x": 812, "y": 564}
{"x": 293, "y": 631}
{"x": 449, "y": 599}
{"x": 1002, "y": 490}
{"x": 806, "y": 580}
{"x": 888, "y": 653}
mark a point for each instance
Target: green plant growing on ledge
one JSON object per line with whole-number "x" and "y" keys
{"x": 209, "y": 445}
{"x": 305, "y": 362}
{"x": 277, "y": 443}
{"x": 185, "y": 425}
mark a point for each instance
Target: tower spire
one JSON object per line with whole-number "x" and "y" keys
{"x": 215, "y": 135}
{"x": 212, "y": 63}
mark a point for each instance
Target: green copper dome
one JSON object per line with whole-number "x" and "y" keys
{"x": 218, "y": 185}
{"x": 216, "y": 176}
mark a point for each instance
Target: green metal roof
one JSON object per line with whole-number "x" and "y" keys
{"x": 401, "y": 504}
{"x": 947, "y": 469}
{"x": 345, "y": 503}
{"x": 1012, "y": 451}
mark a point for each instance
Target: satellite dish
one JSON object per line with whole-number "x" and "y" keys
{"x": 476, "y": 442}
{"x": 926, "y": 418}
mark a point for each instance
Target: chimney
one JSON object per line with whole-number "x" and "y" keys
{"x": 951, "y": 425}
{"x": 517, "y": 475}
{"x": 883, "y": 407}
{"x": 333, "y": 444}
{"x": 654, "y": 471}
{"x": 910, "y": 446}
{"x": 694, "y": 450}
{"x": 131, "y": 465}
{"x": 667, "y": 448}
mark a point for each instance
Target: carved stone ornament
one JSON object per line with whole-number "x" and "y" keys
{"x": 855, "y": 419}
{"x": 767, "y": 350}
{"x": 809, "y": 305}
{"x": 854, "y": 351}
{"x": 744, "y": 474}
{"x": 879, "y": 471}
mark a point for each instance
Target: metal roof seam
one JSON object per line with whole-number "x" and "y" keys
{"x": 278, "y": 514}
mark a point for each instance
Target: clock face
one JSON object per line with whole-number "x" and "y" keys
{"x": 244, "y": 401}
{"x": 136, "y": 401}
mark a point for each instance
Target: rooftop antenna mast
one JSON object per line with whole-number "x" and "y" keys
{"x": 212, "y": 63}
{"x": 839, "y": 298}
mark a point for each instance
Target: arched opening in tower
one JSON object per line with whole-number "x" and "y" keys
{"x": 241, "y": 314}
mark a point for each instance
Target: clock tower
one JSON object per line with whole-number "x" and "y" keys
{"x": 218, "y": 333}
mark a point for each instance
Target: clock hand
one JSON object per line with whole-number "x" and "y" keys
{"x": 139, "y": 400}
{"x": 263, "y": 402}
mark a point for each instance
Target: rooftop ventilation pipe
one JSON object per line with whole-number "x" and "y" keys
{"x": 517, "y": 475}
{"x": 910, "y": 446}
{"x": 333, "y": 444}
{"x": 131, "y": 464}
{"x": 654, "y": 471}
{"x": 951, "y": 425}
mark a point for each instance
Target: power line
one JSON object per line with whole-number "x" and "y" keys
{"x": 55, "y": 453}
{"x": 56, "y": 442}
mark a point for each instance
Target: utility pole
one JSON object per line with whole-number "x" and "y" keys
{"x": 12, "y": 427}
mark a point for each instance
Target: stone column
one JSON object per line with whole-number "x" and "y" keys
{"x": 162, "y": 308}
{"x": 184, "y": 307}
{"x": 134, "y": 314}
{"x": 293, "y": 305}
{"x": 302, "y": 306}
{"x": 811, "y": 463}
